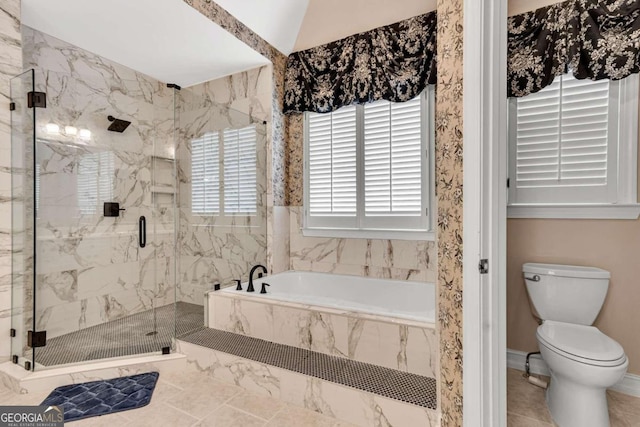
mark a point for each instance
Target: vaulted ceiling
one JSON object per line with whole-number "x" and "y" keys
{"x": 171, "y": 41}
{"x": 165, "y": 39}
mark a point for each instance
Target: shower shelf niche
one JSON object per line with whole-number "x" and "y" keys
{"x": 162, "y": 189}
{"x": 163, "y": 180}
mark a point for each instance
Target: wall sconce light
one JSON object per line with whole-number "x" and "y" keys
{"x": 52, "y": 128}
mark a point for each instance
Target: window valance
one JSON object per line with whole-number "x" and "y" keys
{"x": 594, "y": 39}
{"x": 395, "y": 62}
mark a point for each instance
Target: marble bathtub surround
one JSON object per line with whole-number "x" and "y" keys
{"x": 407, "y": 346}
{"x": 389, "y": 259}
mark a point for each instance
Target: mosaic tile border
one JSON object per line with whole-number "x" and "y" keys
{"x": 403, "y": 386}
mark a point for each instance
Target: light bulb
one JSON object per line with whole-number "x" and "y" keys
{"x": 85, "y": 134}
{"x": 52, "y": 128}
{"x": 70, "y": 130}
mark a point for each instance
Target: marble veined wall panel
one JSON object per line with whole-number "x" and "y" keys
{"x": 90, "y": 268}
{"x": 218, "y": 248}
{"x": 413, "y": 260}
{"x": 380, "y": 341}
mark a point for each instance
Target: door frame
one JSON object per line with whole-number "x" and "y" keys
{"x": 484, "y": 212}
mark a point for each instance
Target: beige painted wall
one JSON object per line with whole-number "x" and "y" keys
{"x": 610, "y": 244}
{"x": 520, "y": 6}
{"x": 330, "y": 20}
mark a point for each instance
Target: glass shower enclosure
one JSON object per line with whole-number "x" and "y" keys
{"x": 93, "y": 219}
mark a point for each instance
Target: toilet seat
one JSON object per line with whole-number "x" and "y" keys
{"x": 584, "y": 344}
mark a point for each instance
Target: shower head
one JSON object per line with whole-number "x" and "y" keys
{"x": 117, "y": 125}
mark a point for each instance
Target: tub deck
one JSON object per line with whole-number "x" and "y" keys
{"x": 398, "y": 340}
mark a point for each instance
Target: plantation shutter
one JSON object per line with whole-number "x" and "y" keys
{"x": 393, "y": 157}
{"x": 94, "y": 181}
{"x": 205, "y": 174}
{"x": 564, "y": 143}
{"x": 332, "y": 166}
{"x": 366, "y": 167}
{"x": 240, "y": 170}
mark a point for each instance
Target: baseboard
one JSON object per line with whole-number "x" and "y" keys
{"x": 629, "y": 384}
{"x": 516, "y": 360}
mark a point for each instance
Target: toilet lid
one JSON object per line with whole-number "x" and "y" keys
{"x": 583, "y": 343}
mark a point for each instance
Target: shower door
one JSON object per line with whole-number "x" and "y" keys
{"x": 23, "y": 115}
{"x": 102, "y": 283}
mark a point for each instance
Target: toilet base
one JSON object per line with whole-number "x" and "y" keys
{"x": 574, "y": 405}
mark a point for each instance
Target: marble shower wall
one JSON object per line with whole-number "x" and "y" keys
{"x": 10, "y": 66}
{"x": 217, "y": 249}
{"x": 90, "y": 268}
{"x": 277, "y": 128}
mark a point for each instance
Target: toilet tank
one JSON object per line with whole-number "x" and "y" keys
{"x": 566, "y": 293}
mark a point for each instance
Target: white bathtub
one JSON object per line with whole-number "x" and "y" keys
{"x": 392, "y": 298}
{"x": 388, "y": 323}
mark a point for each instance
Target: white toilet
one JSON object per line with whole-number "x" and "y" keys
{"x": 583, "y": 361}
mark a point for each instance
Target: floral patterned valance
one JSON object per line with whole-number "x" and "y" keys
{"x": 596, "y": 39}
{"x": 395, "y": 62}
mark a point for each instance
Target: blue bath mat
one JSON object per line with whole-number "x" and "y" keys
{"x": 103, "y": 397}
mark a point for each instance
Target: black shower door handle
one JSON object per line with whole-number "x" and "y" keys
{"x": 142, "y": 231}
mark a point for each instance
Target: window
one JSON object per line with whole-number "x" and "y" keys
{"x": 95, "y": 181}
{"x": 571, "y": 145}
{"x": 240, "y": 171}
{"x": 205, "y": 174}
{"x": 229, "y": 187}
{"x": 367, "y": 170}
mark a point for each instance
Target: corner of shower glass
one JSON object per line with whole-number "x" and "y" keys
{"x": 23, "y": 116}
{"x": 128, "y": 330}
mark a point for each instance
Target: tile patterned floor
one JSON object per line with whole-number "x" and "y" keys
{"x": 123, "y": 337}
{"x": 526, "y": 406}
{"x": 191, "y": 400}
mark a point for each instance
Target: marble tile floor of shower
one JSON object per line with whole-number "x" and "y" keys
{"x": 191, "y": 399}
{"x": 526, "y": 405}
{"x": 126, "y": 336}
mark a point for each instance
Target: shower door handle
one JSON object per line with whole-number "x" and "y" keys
{"x": 142, "y": 231}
